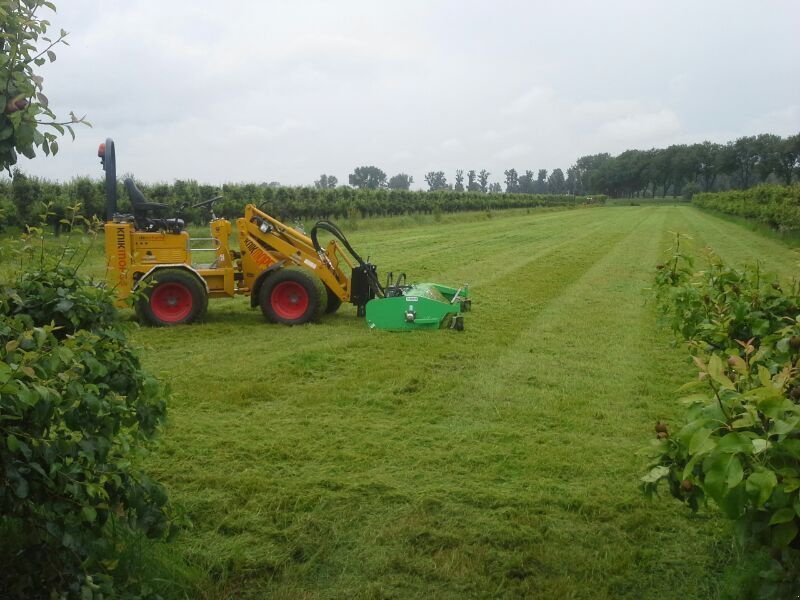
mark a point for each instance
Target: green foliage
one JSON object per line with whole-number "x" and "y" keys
{"x": 683, "y": 169}
{"x": 76, "y": 412}
{"x": 326, "y": 182}
{"x": 436, "y": 181}
{"x": 740, "y": 443}
{"x": 401, "y": 181}
{"x": 370, "y": 178}
{"x": 24, "y": 109}
{"x": 284, "y": 203}
{"x": 776, "y": 206}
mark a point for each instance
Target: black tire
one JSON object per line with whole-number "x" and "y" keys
{"x": 334, "y": 302}
{"x": 172, "y": 297}
{"x": 292, "y": 296}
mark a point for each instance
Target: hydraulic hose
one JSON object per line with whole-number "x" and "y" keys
{"x": 337, "y": 233}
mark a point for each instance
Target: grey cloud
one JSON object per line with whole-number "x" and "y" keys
{"x": 280, "y": 90}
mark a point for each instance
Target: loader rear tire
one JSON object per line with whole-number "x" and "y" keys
{"x": 334, "y": 302}
{"x": 292, "y": 296}
{"x": 172, "y": 297}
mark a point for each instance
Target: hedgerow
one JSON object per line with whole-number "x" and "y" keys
{"x": 773, "y": 205}
{"x": 283, "y": 202}
{"x": 739, "y": 444}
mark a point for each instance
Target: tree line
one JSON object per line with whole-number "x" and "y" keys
{"x": 676, "y": 170}
{"x": 683, "y": 169}
{"x": 680, "y": 169}
{"x": 24, "y": 198}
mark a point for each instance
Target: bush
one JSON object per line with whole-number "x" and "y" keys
{"x": 76, "y": 412}
{"x": 740, "y": 443}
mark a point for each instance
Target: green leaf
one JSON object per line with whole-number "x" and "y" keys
{"x": 700, "y": 441}
{"x": 722, "y": 472}
{"x": 782, "y": 516}
{"x": 783, "y": 534}
{"x": 717, "y": 373}
{"x": 64, "y": 306}
{"x": 760, "y": 485}
{"x": 5, "y": 373}
{"x": 734, "y": 472}
{"x": 656, "y": 474}
{"x": 734, "y": 502}
{"x": 89, "y": 514}
{"x": 733, "y": 443}
{"x": 764, "y": 377}
{"x": 738, "y": 364}
{"x": 744, "y": 420}
{"x": 12, "y": 442}
{"x": 780, "y": 427}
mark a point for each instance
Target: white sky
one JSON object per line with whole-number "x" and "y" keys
{"x": 252, "y": 91}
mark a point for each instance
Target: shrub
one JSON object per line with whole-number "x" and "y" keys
{"x": 740, "y": 443}
{"x": 76, "y": 412}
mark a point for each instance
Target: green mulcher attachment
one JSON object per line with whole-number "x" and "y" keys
{"x": 398, "y": 306}
{"x": 419, "y": 306}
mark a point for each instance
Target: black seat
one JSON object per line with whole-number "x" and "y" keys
{"x": 142, "y": 211}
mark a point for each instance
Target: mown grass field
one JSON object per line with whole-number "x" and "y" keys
{"x": 331, "y": 461}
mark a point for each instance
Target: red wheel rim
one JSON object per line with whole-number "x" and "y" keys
{"x": 289, "y": 300}
{"x": 171, "y": 302}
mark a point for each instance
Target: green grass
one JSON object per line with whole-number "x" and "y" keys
{"x": 331, "y": 461}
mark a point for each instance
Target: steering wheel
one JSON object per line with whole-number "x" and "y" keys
{"x": 208, "y": 202}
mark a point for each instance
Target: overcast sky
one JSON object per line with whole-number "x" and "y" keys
{"x": 253, "y": 91}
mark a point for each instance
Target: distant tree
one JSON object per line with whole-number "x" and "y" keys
{"x": 541, "y": 182}
{"x": 436, "y": 181}
{"x": 483, "y": 178}
{"x": 326, "y": 182}
{"x": 495, "y": 188}
{"x": 472, "y": 184}
{"x": 664, "y": 171}
{"x": 512, "y": 181}
{"x": 768, "y": 147}
{"x": 709, "y": 163}
{"x": 401, "y": 181}
{"x": 24, "y": 193}
{"x": 90, "y": 195}
{"x": 745, "y": 158}
{"x": 588, "y": 169}
{"x": 526, "y": 183}
{"x": 371, "y": 178}
{"x": 556, "y": 183}
{"x": 459, "y": 187}
{"x": 788, "y": 158}
{"x": 573, "y": 182}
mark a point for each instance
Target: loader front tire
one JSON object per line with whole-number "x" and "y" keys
{"x": 292, "y": 296}
{"x": 172, "y": 297}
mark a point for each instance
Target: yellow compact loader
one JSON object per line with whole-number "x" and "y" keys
{"x": 287, "y": 273}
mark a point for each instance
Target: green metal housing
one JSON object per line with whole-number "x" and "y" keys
{"x": 420, "y": 306}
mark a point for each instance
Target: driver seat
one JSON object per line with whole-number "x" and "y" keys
{"x": 142, "y": 211}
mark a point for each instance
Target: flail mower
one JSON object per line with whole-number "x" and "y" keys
{"x": 288, "y": 274}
